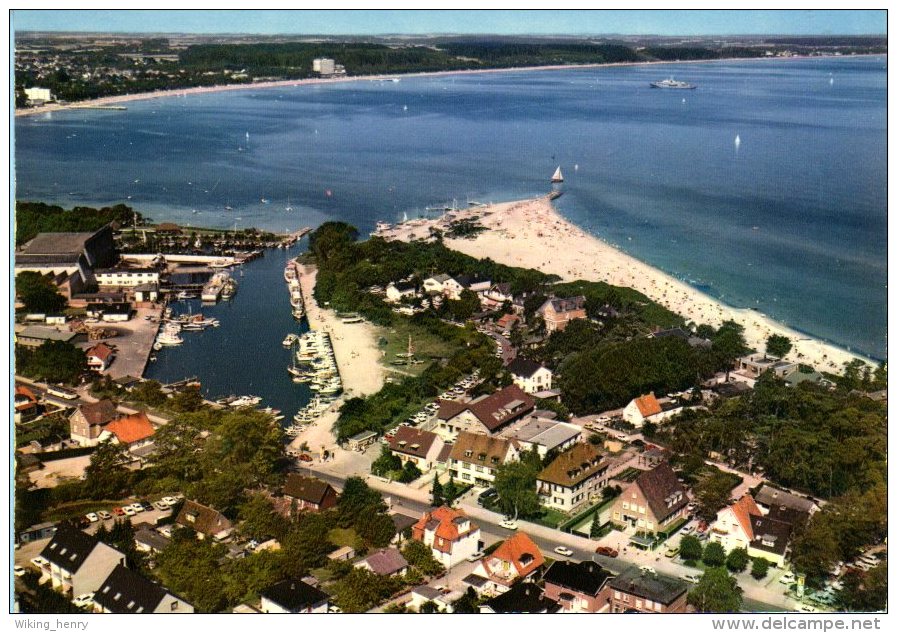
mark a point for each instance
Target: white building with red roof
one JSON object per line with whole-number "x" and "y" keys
{"x": 449, "y": 533}
{"x": 134, "y": 431}
{"x": 516, "y": 559}
{"x": 487, "y": 414}
{"x": 99, "y": 357}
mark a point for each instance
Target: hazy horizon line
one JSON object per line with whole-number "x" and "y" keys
{"x": 452, "y": 34}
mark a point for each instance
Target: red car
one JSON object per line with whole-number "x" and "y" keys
{"x": 118, "y": 512}
{"x": 607, "y": 551}
{"x": 305, "y": 457}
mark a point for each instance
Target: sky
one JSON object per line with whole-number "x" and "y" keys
{"x": 511, "y": 22}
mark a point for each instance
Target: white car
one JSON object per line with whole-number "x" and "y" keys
{"x": 787, "y": 578}
{"x": 84, "y": 600}
{"x": 161, "y": 506}
{"x": 563, "y": 551}
{"x": 475, "y": 557}
{"x": 38, "y": 561}
{"x": 104, "y": 515}
{"x": 129, "y": 511}
{"x": 169, "y": 500}
{"x": 508, "y": 524}
{"x": 692, "y": 578}
{"x": 93, "y": 517}
{"x": 18, "y": 570}
{"x": 137, "y": 507}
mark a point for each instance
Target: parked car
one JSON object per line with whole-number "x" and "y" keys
{"x": 93, "y": 517}
{"x": 161, "y": 506}
{"x": 787, "y": 578}
{"x": 305, "y": 457}
{"x": 688, "y": 529}
{"x": 671, "y": 553}
{"x": 84, "y": 600}
{"x": 38, "y": 561}
{"x": 475, "y": 556}
{"x": 146, "y": 505}
{"x": 129, "y": 511}
{"x": 137, "y": 507}
{"x": 119, "y": 512}
{"x": 18, "y": 570}
{"x": 508, "y": 524}
{"x": 169, "y": 500}
{"x": 692, "y": 578}
{"x": 607, "y": 551}
{"x": 104, "y": 515}
{"x": 563, "y": 551}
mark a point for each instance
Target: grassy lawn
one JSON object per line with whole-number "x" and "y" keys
{"x": 345, "y": 536}
{"x": 629, "y": 474}
{"x": 426, "y": 346}
{"x": 551, "y": 517}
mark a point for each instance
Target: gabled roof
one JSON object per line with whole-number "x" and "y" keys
{"x": 69, "y": 548}
{"x": 203, "y": 519}
{"x": 524, "y": 597}
{"x": 101, "y": 412}
{"x": 412, "y": 441}
{"x": 657, "y": 587}
{"x": 585, "y": 577}
{"x": 440, "y": 278}
{"x": 662, "y": 490}
{"x": 101, "y": 351}
{"x": 524, "y": 367}
{"x": 126, "y": 591}
{"x": 647, "y": 405}
{"x": 575, "y": 465}
{"x": 770, "y": 535}
{"x": 769, "y": 496}
{"x": 521, "y": 552}
{"x": 502, "y": 407}
{"x": 744, "y": 509}
{"x": 152, "y": 539}
{"x": 131, "y": 428}
{"x": 308, "y": 489}
{"x": 63, "y": 243}
{"x": 386, "y": 562}
{"x": 294, "y": 595}
{"x": 445, "y": 522}
{"x": 404, "y": 286}
{"x": 402, "y": 521}
{"x": 502, "y": 288}
{"x": 23, "y": 392}
{"x": 450, "y": 408}
{"x": 567, "y": 304}
{"x": 484, "y": 450}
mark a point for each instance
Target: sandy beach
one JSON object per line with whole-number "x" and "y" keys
{"x": 183, "y": 92}
{"x": 357, "y": 357}
{"x": 532, "y": 234}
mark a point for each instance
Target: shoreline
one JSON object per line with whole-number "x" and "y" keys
{"x": 285, "y": 83}
{"x": 518, "y": 229}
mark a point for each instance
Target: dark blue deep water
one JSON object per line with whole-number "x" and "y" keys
{"x": 810, "y": 172}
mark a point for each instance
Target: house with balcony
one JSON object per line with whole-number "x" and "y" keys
{"x": 488, "y": 414}
{"x": 557, "y": 312}
{"x": 294, "y": 596}
{"x": 530, "y": 375}
{"x": 573, "y": 478}
{"x": 126, "y": 591}
{"x": 76, "y": 562}
{"x": 578, "y": 587}
{"x": 449, "y": 533}
{"x": 421, "y": 448}
{"x": 517, "y": 559}
{"x": 476, "y": 458}
{"x": 644, "y": 592}
{"x": 654, "y": 501}
{"x": 743, "y": 525}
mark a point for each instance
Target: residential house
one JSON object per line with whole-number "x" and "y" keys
{"x": 749, "y": 368}
{"x": 525, "y": 597}
{"x": 134, "y": 431}
{"x": 476, "y": 458}
{"x": 557, "y": 313}
{"x": 449, "y": 533}
{"x": 652, "y": 502}
{"x": 345, "y": 553}
{"x": 529, "y": 375}
{"x": 645, "y": 592}
{"x": 384, "y": 562}
{"x": 743, "y": 525}
{"x": 642, "y": 408}
{"x": 485, "y": 415}
{"x": 497, "y": 295}
{"x": 403, "y": 524}
{"x": 441, "y": 598}
{"x": 87, "y": 422}
{"x": 146, "y": 294}
{"x": 205, "y": 521}
{"x": 434, "y": 285}
{"x": 396, "y": 291}
{"x": 76, "y": 562}
{"x": 110, "y": 312}
{"x": 516, "y": 559}
{"x": 417, "y": 446}
{"x": 148, "y": 540}
{"x": 578, "y": 587}
{"x": 24, "y": 404}
{"x": 308, "y": 493}
{"x": 99, "y": 357}
{"x": 507, "y": 322}
{"x": 294, "y": 596}
{"x": 769, "y": 497}
{"x": 543, "y": 435}
{"x": 573, "y": 478}
{"x": 454, "y": 286}
{"x": 126, "y": 591}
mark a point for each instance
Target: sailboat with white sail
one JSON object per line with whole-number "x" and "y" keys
{"x": 557, "y": 176}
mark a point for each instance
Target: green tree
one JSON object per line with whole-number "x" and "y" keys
{"x": 737, "y": 560}
{"x": 759, "y": 568}
{"x": 866, "y": 592}
{"x": 429, "y": 607}
{"x": 357, "y": 500}
{"x": 717, "y": 592}
{"x": 409, "y": 473}
{"x": 38, "y": 293}
{"x": 450, "y": 492}
{"x": 386, "y": 462}
{"x": 468, "y": 603}
{"x": 436, "y": 494}
{"x": 515, "y": 483}
{"x": 728, "y": 344}
{"x": 189, "y": 567}
{"x": 106, "y": 476}
{"x": 712, "y": 493}
{"x": 778, "y": 345}
{"x": 690, "y": 548}
{"x": 360, "y": 590}
{"x": 714, "y": 555}
{"x": 148, "y": 392}
{"x": 376, "y": 529}
{"x": 53, "y": 361}
{"x": 260, "y": 520}
{"x": 304, "y": 546}
{"x": 421, "y": 557}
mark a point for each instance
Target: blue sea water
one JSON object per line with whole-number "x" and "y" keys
{"x": 793, "y": 222}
